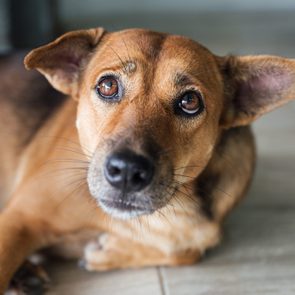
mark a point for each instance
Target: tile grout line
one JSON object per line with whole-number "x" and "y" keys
{"x": 163, "y": 286}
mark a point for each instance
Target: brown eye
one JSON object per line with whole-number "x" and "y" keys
{"x": 108, "y": 87}
{"x": 191, "y": 103}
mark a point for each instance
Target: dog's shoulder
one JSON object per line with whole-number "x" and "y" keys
{"x": 26, "y": 99}
{"x": 228, "y": 174}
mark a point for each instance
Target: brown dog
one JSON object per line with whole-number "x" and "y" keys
{"x": 161, "y": 153}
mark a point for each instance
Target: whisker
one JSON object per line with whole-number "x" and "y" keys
{"x": 80, "y": 183}
{"x": 189, "y": 166}
{"x": 66, "y": 160}
{"x": 183, "y": 175}
{"x": 118, "y": 56}
{"x": 67, "y": 149}
{"x": 128, "y": 53}
{"x": 163, "y": 216}
{"x": 78, "y": 144}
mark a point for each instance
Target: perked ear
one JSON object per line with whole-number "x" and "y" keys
{"x": 255, "y": 85}
{"x": 61, "y": 60}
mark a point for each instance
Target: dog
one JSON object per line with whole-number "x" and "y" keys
{"x": 139, "y": 153}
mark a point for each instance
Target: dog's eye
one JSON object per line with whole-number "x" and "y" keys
{"x": 191, "y": 103}
{"x": 108, "y": 87}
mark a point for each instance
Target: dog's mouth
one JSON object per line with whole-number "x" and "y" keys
{"x": 123, "y": 208}
{"x": 122, "y": 205}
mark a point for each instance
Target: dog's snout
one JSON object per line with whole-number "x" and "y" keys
{"x": 128, "y": 171}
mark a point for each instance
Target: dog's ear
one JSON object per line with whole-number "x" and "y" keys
{"x": 62, "y": 60}
{"x": 255, "y": 85}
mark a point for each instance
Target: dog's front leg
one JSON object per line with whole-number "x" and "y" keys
{"x": 113, "y": 252}
{"x": 18, "y": 238}
{"x": 179, "y": 239}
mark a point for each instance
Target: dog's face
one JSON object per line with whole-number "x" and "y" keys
{"x": 151, "y": 108}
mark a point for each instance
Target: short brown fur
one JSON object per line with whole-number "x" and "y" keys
{"x": 209, "y": 159}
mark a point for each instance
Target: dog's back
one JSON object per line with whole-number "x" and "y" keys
{"x": 26, "y": 101}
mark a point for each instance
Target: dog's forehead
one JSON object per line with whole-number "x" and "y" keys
{"x": 138, "y": 40}
{"x": 153, "y": 47}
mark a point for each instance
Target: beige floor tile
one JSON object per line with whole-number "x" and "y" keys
{"x": 68, "y": 279}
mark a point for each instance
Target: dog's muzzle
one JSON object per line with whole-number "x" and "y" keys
{"x": 124, "y": 184}
{"x": 130, "y": 182}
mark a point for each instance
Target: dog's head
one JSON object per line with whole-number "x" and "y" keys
{"x": 152, "y": 106}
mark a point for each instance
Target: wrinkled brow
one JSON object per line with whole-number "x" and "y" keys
{"x": 182, "y": 79}
{"x": 126, "y": 64}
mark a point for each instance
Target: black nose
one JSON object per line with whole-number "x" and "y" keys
{"x": 128, "y": 171}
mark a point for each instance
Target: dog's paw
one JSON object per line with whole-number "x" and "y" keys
{"x": 102, "y": 254}
{"x": 30, "y": 279}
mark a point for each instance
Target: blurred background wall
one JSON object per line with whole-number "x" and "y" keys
{"x": 225, "y": 26}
